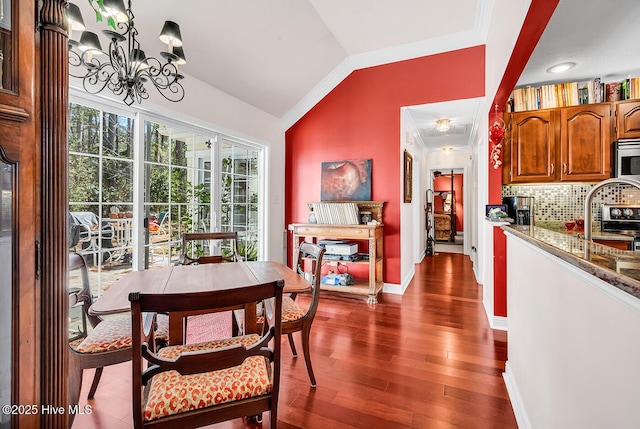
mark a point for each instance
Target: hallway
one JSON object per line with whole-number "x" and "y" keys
{"x": 427, "y": 359}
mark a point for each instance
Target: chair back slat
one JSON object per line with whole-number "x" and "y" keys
{"x": 186, "y": 259}
{"x": 193, "y": 302}
{"x": 314, "y": 253}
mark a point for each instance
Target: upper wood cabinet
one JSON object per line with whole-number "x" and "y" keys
{"x": 585, "y": 140}
{"x": 532, "y": 147}
{"x": 628, "y": 120}
{"x": 562, "y": 144}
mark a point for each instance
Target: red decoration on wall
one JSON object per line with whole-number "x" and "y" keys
{"x": 496, "y": 134}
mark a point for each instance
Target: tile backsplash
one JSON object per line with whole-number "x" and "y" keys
{"x": 560, "y": 202}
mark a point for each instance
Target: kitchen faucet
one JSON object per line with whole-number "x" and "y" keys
{"x": 589, "y": 198}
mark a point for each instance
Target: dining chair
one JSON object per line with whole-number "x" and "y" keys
{"x": 228, "y": 247}
{"x": 295, "y": 318}
{"x": 106, "y": 342}
{"x": 203, "y": 383}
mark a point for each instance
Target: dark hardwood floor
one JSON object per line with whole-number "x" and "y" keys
{"x": 427, "y": 359}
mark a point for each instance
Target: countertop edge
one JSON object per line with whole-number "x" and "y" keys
{"x": 620, "y": 281}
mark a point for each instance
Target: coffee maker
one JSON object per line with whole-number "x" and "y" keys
{"x": 520, "y": 209}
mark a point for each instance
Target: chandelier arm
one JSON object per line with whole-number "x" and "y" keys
{"x": 164, "y": 77}
{"x": 96, "y": 79}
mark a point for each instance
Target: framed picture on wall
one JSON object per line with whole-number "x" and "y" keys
{"x": 408, "y": 177}
{"x": 346, "y": 180}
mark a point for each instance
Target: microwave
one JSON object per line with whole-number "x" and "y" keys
{"x": 625, "y": 159}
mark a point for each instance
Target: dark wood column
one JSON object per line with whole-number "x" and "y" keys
{"x": 54, "y": 199}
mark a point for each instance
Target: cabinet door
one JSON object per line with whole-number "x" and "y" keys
{"x": 19, "y": 215}
{"x": 628, "y": 120}
{"x": 533, "y": 147}
{"x": 585, "y": 138}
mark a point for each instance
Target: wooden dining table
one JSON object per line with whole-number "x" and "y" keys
{"x": 197, "y": 278}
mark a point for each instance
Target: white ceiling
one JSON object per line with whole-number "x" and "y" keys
{"x": 602, "y": 39}
{"x": 275, "y": 55}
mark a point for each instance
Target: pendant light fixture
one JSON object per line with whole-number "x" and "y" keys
{"x": 124, "y": 68}
{"x": 443, "y": 125}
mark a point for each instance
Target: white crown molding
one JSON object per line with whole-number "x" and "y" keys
{"x": 412, "y": 126}
{"x": 421, "y": 48}
{"x": 484, "y": 11}
{"x": 337, "y": 75}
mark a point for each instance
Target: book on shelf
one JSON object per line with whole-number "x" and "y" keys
{"x": 613, "y": 91}
{"x": 572, "y": 94}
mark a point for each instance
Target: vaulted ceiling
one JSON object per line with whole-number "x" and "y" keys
{"x": 283, "y": 56}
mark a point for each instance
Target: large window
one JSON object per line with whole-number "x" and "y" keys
{"x": 177, "y": 195}
{"x": 239, "y": 198}
{"x": 130, "y": 201}
{"x": 101, "y": 190}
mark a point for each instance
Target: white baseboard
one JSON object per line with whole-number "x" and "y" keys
{"x": 393, "y": 288}
{"x": 498, "y": 322}
{"x": 516, "y": 400}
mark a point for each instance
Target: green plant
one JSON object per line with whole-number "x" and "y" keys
{"x": 101, "y": 13}
{"x": 248, "y": 250}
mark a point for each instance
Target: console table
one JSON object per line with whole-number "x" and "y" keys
{"x": 371, "y": 233}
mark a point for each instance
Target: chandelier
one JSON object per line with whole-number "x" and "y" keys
{"x": 125, "y": 70}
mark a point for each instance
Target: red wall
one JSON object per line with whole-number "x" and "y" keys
{"x": 443, "y": 183}
{"x": 360, "y": 118}
{"x": 538, "y": 16}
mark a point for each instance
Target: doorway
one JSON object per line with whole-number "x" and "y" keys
{"x": 448, "y": 210}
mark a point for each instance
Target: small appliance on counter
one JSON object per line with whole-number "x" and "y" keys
{"x": 520, "y": 209}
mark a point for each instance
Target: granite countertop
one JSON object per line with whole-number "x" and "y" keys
{"x": 620, "y": 268}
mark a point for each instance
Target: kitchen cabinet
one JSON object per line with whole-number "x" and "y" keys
{"x": 558, "y": 145}
{"x": 627, "y": 120}
{"x": 532, "y": 146}
{"x": 585, "y": 140}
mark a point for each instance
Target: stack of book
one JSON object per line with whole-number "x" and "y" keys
{"x": 572, "y": 94}
{"x": 337, "y": 213}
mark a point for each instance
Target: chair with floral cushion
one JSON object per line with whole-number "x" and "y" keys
{"x": 295, "y": 318}
{"x": 203, "y": 383}
{"x": 108, "y": 342}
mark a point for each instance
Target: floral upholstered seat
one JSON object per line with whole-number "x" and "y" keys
{"x": 110, "y": 334}
{"x": 193, "y": 385}
{"x": 171, "y": 393}
{"x": 115, "y": 333}
{"x": 290, "y": 311}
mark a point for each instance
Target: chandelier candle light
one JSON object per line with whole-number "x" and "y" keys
{"x": 127, "y": 69}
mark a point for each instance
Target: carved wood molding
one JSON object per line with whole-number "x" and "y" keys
{"x": 54, "y": 79}
{"x": 12, "y": 113}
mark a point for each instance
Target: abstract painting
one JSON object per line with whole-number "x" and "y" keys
{"x": 348, "y": 180}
